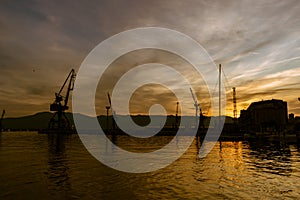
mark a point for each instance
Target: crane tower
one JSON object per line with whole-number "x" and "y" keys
{"x": 60, "y": 105}
{"x": 2, "y": 116}
{"x": 234, "y": 104}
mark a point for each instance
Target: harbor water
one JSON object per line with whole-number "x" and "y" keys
{"x": 39, "y": 166}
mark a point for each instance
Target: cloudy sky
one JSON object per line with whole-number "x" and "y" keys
{"x": 257, "y": 42}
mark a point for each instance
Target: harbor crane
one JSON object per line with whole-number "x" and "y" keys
{"x": 177, "y": 117}
{"x": 107, "y": 111}
{"x": 234, "y": 105}
{"x": 1, "y": 119}
{"x": 112, "y": 111}
{"x": 60, "y": 104}
{"x": 195, "y": 102}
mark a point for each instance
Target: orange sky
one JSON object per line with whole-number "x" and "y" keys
{"x": 257, "y": 42}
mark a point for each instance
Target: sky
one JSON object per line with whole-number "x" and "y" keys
{"x": 257, "y": 43}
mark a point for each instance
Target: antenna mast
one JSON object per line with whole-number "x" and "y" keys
{"x": 219, "y": 90}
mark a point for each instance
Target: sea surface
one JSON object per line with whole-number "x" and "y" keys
{"x": 38, "y": 166}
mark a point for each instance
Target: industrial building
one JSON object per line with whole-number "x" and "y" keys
{"x": 270, "y": 116}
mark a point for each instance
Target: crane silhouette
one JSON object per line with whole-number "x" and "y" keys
{"x": 112, "y": 112}
{"x": 60, "y": 105}
{"x": 195, "y": 102}
{"x": 1, "y": 119}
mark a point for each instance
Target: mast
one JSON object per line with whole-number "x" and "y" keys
{"x": 219, "y": 90}
{"x": 219, "y": 125}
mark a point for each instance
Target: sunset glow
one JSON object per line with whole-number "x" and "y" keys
{"x": 257, "y": 43}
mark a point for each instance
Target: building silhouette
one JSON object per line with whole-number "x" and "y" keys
{"x": 265, "y": 116}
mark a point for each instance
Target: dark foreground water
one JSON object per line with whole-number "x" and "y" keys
{"x": 34, "y": 166}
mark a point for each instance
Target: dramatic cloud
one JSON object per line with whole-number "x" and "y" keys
{"x": 257, "y": 42}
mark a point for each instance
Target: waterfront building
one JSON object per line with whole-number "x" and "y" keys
{"x": 265, "y": 116}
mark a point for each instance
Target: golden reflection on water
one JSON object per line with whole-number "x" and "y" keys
{"x": 59, "y": 167}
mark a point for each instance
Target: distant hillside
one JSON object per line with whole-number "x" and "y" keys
{"x": 41, "y": 120}
{"x": 36, "y": 121}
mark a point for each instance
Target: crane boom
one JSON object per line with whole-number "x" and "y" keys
{"x": 112, "y": 111}
{"x": 72, "y": 76}
{"x": 62, "y": 87}
{"x": 195, "y": 102}
{"x": 2, "y": 116}
{"x": 109, "y": 99}
{"x": 57, "y": 105}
